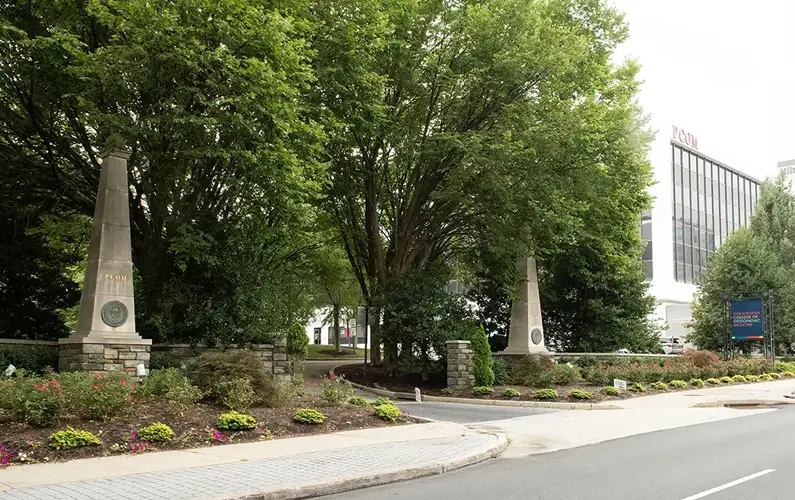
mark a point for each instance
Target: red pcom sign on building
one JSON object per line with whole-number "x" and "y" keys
{"x": 685, "y": 138}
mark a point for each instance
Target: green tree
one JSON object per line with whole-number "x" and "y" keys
{"x": 208, "y": 96}
{"x": 481, "y": 358}
{"x": 752, "y": 260}
{"x": 457, "y": 123}
{"x": 35, "y": 282}
{"x": 422, "y": 316}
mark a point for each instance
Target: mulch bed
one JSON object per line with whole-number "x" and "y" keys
{"x": 193, "y": 428}
{"x": 377, "y": 378}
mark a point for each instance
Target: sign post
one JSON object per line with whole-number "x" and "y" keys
{"x": 749, "y": 318}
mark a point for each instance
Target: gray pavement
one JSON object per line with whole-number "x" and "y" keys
{"x": 240, "y": 479}
{"x": 687, "y": 463}
{"x": 467, "y": 414}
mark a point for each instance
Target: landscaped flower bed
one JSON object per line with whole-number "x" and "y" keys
{"x": 583, "y": 380}
{"x": 78, "y": 415}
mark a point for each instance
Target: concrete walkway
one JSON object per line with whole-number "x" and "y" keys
{"x": 288, "y": 468}
{"x": 662, "y": 412}
{"x": 770, "y": 392}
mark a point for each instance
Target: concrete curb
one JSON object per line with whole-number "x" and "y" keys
{"x": 488, "y": 402}
{"x": 494, "y": 449}
{"x": 742, "y": 402}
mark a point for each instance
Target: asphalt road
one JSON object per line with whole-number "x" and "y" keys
{"x": 749, "y": 458}
{"x": 467, "y": 414}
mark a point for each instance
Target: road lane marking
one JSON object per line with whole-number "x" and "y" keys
{"x": 729, "y": 485}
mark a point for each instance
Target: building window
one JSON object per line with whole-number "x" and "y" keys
{"x": 710, "y": 201}
{"x": 318, "y": 336}
{"x": 647, "y": 257}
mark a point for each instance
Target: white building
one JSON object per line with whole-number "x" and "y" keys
{"x": 788, "y": 169}
{"x": 698, "y": 202}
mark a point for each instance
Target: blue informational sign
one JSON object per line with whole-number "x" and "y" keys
{"x": 747, "y": 317}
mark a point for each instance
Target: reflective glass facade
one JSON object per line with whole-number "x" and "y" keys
{"x": 710, "y": 201}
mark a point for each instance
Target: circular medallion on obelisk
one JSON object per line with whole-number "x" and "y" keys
{"x": 536, "y": 336}
{"x": 114, "y": 313}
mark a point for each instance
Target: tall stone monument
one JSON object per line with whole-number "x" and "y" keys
{"x": 526, "y": 334}
{"x": 105, "y": 338}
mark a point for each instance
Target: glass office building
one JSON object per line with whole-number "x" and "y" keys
{"x": 710, "y": 201}
{"x": 698, "y": 203}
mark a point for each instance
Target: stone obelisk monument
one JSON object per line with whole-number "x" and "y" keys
{"x": 105, "y": 338}
{"x": 526, "y": 334}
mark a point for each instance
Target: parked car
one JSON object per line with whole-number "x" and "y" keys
{"x": 672, "y": 345}
{"x": 623, "y": 351}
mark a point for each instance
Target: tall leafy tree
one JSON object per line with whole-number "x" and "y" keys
{"x": 469, "y": 126}
{"x": 752, "y": 260}
{"x": 208, "y": 96}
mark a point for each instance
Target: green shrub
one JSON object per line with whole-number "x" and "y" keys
{"x": 636, "y": 387}
{"x": 297, "y": 341}
{"x": 696, "y": 382}
{"x": 98, "y": 396}
{"x": 156, "y": 433}
{"x": 35, "y": 401}
{"x": 481, "y": 358}
{"x": 170, "y": 385}
{"x": 448, "y": 391}
{"x": 481, "y": 390}
{"x": 388, "y": 412}
{"x": 752, "y": 378}
{"x": 309, "y": 417}
{"x": 30, "y": 358}
{"x": 775, "y": 375}
{"x": 160, "y": 360}
{"x": 580, "y": 394}
{"x": 713, "y": 381}
{"x": 531, "y": 371}
{"x": 71, "y": 438}
{"x": 546, "y": 394}
{"x": 765, "y": 377}
{"x": 358, "y": 401}
{"x": 659, "y": 386}
{"x": 739, "y": 379}
{"x": 678, "y": 384}
{"x": 382, "y": 401}
{"x": 336, "y": 390}
{"x": 215, "y": 373}
{"x": 725, "y": 380}
{"x": 236, "y": 394}
{"x": 788, "y": 374}
{"x": 234, "y": 421}
{"x": 609, "y": 390}
{"x": 500, "y": 369}
{"x": 511, "y": 393}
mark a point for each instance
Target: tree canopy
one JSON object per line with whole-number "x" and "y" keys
{"x": 473, "y": 129}
{"x": 208, "y": 96}
{"x": 442, "y": 138}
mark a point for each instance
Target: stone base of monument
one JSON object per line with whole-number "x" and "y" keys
{"x": 523, "y": 352}
{"x": 103, "y": 355}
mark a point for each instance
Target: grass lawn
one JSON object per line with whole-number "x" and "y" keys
{"x": 319, "y": 351}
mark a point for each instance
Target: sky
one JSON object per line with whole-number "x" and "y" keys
{"x": 723, "y": 70}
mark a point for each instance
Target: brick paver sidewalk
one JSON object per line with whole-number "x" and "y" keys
{"x": 243, "y": 478}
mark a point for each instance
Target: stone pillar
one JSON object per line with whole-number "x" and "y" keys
{"x": 105, "y": 338}
{"x": 459, "y": 365}
{"x": 526, "y": 335}
{"x": 281, "y": 365}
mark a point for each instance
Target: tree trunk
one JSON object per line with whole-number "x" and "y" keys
{"x": 336, "y": 313}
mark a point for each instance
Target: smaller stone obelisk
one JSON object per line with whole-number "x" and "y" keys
{"x": 105, "y": 338}
{"x": 526, "y": 334}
